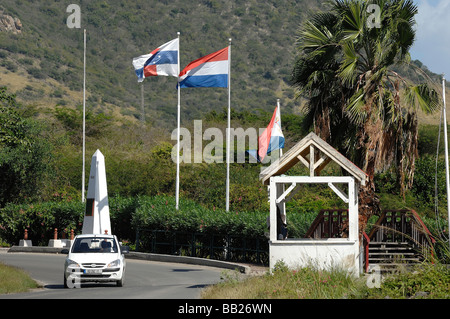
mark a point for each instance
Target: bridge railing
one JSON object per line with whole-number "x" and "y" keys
{"x": 403, "y": 226}
{"x": 203, "y": 245}
{"x": 329, "y": 223}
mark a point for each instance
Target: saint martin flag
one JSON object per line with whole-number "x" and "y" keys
{"x": 161, "y": 61}
{"x": 271, "y": 139}
{"x": 208, "y": 71}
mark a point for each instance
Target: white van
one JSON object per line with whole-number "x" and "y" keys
{"x": 94, "y": 258}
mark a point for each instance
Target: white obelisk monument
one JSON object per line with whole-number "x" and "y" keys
{"x": 96, "y": 217}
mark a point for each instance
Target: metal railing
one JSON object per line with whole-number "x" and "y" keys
{"x": 403, "y": 226}
{"x": 392, "y": 225}
{"x": 366, "y": 243}
{"x": 203, "y": 245}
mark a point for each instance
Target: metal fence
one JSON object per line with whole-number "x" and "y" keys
{"x": 203, "y": 245}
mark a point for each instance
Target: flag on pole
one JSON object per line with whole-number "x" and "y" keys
{"x": 161, "y": 61}
{"x": 212, "y": 70}
{"x": 208, "y": 71}
{"x": 271, "y": 139}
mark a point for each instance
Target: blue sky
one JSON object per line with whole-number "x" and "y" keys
{"x": 432, "y": 45}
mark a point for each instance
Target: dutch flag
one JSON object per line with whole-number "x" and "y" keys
{"x": 271, "y": 139}
{"x": 161, "y": 61}
{"x": 208, "y": 71}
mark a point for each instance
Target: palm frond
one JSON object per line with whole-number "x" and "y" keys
{"x": 313, "y": 37}
{"x": 353, "y": 20}
{"x": 426, "y": 98}
{"x": 356, "y": 108}
{"x": 347, "y": 71}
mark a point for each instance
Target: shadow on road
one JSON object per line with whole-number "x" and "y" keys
{"x": 185, "y": 270}
{"x": 83, "y": 285}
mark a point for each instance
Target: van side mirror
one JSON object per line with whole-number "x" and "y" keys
{"x": 124, "y": 249}
{"x": 65, "y": 251}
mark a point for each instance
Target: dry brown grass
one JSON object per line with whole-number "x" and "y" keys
{"x": 306, "y": 283}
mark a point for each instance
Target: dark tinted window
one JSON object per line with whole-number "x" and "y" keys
{"x": 94, "y": 245}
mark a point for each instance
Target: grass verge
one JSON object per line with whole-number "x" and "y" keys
{"x": 14, "y": 280}
{"x": 427, "y": 281}
{"x": 283, "y": 283}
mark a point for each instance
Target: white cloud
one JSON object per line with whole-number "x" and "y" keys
{"x": 432, "y": 45}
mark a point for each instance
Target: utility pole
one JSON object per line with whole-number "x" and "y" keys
{"x": 446, "y": 155}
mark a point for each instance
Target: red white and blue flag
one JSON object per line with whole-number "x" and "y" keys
{"x": 271, "y": 139}
{"x": 161, "y": 61}
{"x": 208, "y": 71}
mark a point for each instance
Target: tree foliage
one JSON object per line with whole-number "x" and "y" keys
{"x": 345, "y": 67}
{"x": 24, "y": 153}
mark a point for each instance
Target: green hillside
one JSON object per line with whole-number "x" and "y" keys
{"x": 263, "y": 37}
{"x": 43, "y": 66}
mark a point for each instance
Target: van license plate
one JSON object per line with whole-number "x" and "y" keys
{"x": 92, "y": 271}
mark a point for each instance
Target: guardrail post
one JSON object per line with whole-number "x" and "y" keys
{"x": 174, "y": 242}
{"x": 228, "y": 248}
{"x": 193, "y": 250}
{"x": 154, "y": 234}
{"x": 137, "y": 240}
{"x": 211, "y": 247}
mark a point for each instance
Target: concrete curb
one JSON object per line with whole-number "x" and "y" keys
{"x": 189, "y": 260}
{"x": 34, "y": 249}
{"x": 146, "y": 256}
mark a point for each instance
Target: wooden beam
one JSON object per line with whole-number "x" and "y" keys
{"x": 300, "y": 151}
{"x": 338, "y": 192}
{"x": 322, "y": 165}
{"x": 289, "y": 193}
{"x": 303, "y": 160}
{"x": 311, "y": 160}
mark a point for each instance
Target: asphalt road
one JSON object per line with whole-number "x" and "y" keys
{"x": 143, "y": 279}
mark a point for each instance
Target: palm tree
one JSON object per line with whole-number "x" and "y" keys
{"x": 357, "y": 102}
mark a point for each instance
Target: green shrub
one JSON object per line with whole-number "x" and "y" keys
{"x": 37, "y": 73}
{"x": 159, "y": 213}
{"x": 426, "y": 281}
{"x": 127, "y": 214}
{"x": 424, "y": 179}
{"x": 40, "y": 219}
{"x": 121, "y": 211}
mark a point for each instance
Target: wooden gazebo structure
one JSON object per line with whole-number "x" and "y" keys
{"x": 315, "y": 154}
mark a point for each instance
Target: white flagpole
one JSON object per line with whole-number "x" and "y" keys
{"x": 446, "y": 155}
{"x": 229, "y": 129}
{"x": 279, "y": 110}
{"x": 177, "y": 186}
{"x": 84, "y": 118}
{"x": 281, "y": 154}
{"x": 142, "y": 103}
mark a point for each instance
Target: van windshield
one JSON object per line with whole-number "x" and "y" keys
{"x": 94, "y": 245}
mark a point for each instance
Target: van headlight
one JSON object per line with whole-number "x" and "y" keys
{"x": 72, "y": 264}
{"x": 115, "y": 263}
